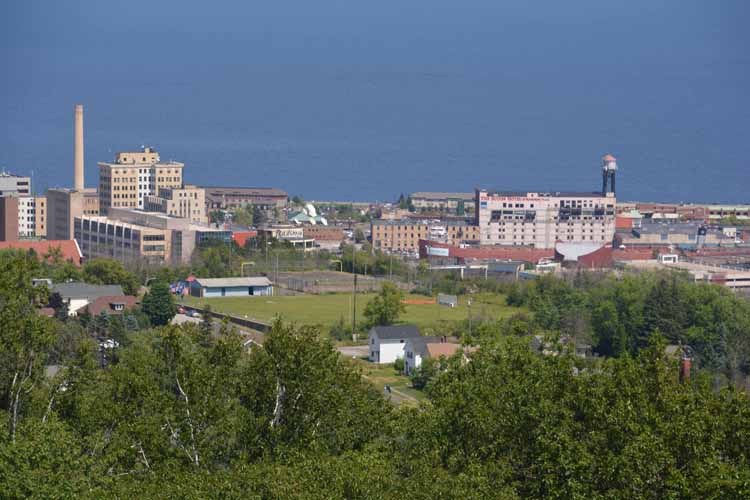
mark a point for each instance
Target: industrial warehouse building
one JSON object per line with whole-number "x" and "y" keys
{"x": 230, "y": 287}
{"x": 541, "y": 219}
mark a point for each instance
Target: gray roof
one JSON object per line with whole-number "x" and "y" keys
{"x": 396, "y": 332}
{"x": 226, "y": 282}
{"x": 85, "y": 290}
{"x": 419, "y": 344}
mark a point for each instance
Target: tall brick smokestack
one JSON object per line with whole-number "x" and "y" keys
{"x": 78, "y": 148}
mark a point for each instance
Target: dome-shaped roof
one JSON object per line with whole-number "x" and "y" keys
{"x": 608, "y": 158}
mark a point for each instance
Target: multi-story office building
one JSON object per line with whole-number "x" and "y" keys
{"x": 40, "y": 222}
{"x": 17, "y": 185}
{"x": 26, "y": 216}
{"x": 404, "y": 235}
{"x": 540, "y": 219}
{"x": 188, "y": 202}
{"x": 447, "y": 203}
{"x": 64, "y": 205}
{"x": 132, "y": 235}
{"x": 268, "y": 200}
{"x": 133, "y": 176}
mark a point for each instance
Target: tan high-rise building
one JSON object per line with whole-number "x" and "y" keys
{"x": 133, "y": 176}
{"x": 40, "y": 215}
{"x": 188, "y": 202}
{"x": 64, "y": 205}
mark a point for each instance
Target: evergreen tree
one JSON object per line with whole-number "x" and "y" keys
{"x": 158, "y": 304}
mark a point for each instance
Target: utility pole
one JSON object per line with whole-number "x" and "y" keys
{"x": 277, "y": 266}
{"x": 469, "y": 302}
{"x": 354, "y": 292}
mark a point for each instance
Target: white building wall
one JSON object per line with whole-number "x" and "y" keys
{"x": 75, "y": 304}
{"x": 26, "y": 216}
{"x": 412, "y": 361}
{"x": 385, "y": 352}
{"x": 535, "y": 219}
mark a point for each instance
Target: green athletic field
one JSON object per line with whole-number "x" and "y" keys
{"x": 324, "y": 310}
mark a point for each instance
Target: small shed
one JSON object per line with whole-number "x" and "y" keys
{"x": 230, "y": 287}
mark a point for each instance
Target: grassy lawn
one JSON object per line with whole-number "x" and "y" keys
{"x": 380, "y": 375}
{"x": 324, "y": 310}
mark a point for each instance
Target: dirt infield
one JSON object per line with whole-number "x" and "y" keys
{"x": 418, "y": 302}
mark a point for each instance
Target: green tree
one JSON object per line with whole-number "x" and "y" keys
{"x": 243, "y": 216}
{"x": 159, "y": 305}
{"x": 424, "y": 373}
{"x": 386, "y": 306}
{"x": 25, "y": 337}
{"x": 110, "y": 272}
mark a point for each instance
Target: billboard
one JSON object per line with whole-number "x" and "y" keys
{"x": 438, "y": 251}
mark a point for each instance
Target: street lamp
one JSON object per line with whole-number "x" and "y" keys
{"x": 242, "y": 267}
{"x": 469, "y": 303}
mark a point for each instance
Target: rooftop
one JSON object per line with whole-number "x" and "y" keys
{"x": 259, "y": 191}
{"x": 68, "y": 248}
{"x": 77, "y": 290}
{"x": 396, "y": 332}
{"x": 437, "y": 195}
{"x": 228, "y": 282}
{"x": 425, "y": 222}
{"x": 548, "y": 194}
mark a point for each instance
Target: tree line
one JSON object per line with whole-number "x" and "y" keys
{"x": 618, "y": 314}
{"x": 183, "y": 411}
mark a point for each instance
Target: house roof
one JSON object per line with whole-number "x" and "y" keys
{"x": 85, "y": 290}
{"x": 68, "y": 248}
{"x": 227, "y": 282}
{"x": 104, "y": 304}
{"x": 420, "y": 345}
{"x": 396, "y": 332}
{"x": 437, "y": 349}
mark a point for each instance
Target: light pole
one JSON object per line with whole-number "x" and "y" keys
{"x": 354, "y": 292}
{"x": 469, "y": 303}
{"x": 242, "y": 267}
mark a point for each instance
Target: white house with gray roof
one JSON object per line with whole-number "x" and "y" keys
{"x": 387, "y": 342}
{"x": 79, "y": 295}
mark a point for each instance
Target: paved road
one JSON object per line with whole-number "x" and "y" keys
{"x": 354, "y": 351}
{"x": 181, "y": 318}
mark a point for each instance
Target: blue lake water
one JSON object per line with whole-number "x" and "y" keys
{"x": 355, "y": 100}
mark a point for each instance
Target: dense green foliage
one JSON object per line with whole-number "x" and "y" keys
{"x": 386, "y": 306}
{"x": 178, "y": 413}
{"x": 618, "y": 315}
{"x": 159, "y": 305}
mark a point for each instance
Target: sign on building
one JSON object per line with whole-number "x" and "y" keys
{"x": 438, "y": 252}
